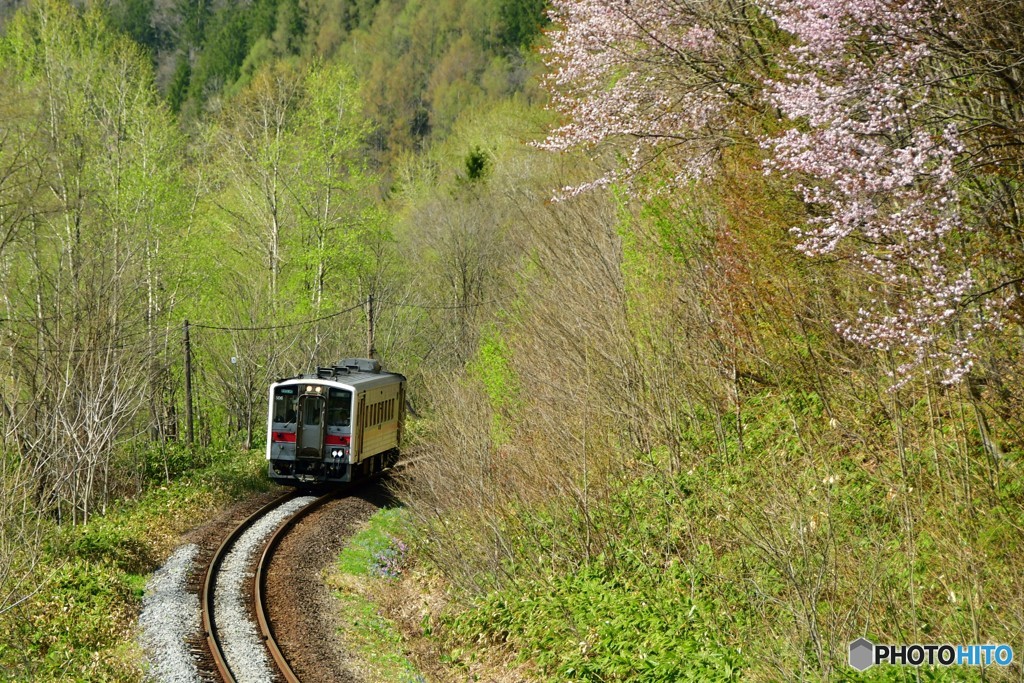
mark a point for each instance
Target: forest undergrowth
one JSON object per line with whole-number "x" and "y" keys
{"x": 82, "y": 585}
{"x": 670, "y": 474}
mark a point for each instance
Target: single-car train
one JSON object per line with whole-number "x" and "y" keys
{"x": 339, "y": 424}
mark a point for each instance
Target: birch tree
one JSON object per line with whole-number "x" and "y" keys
{"x": 79, "y": 365}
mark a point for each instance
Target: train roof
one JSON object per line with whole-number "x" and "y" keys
{"x": 358, "y": 373}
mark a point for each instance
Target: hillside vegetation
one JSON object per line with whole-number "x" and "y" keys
{"x": 710, "y": 310}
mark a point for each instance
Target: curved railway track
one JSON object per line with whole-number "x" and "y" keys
{"x": 258, "y": 605}
{"x": 257, "y": 595}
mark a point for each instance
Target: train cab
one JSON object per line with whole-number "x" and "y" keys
{"x": 338, "y": 424}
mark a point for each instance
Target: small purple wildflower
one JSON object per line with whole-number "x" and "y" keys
{"x": 387, "y": 563}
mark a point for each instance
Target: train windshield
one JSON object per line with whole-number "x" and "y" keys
{"x": 286, "y": 404}
{"x": 339, "y": 408}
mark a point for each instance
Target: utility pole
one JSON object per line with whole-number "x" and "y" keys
{"x": 189, "y": 435}
{"x": 371, "y": 352}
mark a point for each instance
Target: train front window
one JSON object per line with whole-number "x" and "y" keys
{"x": 339, "y": 408}
{"x": 286, "y": 404}
{"x": 311, "y": 412}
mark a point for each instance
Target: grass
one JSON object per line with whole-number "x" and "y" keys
{"x": 79, "y": 625}
{"x": 738, "y": 567}
{"x": 364, "y": 553}
{"x": 613, "y": 619}
{"x": 373, "y": 559}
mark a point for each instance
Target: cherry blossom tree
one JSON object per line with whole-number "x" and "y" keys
{"x": 863, "y": 143}
{"x": 880, "y": 173}
{"x": 656, "y": 74}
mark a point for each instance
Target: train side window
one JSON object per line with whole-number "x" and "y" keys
{"x": 286, "y": 404}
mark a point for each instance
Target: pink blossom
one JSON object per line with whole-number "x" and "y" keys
{"x": 656, "y": 77}
{"x": 597, "y": 86}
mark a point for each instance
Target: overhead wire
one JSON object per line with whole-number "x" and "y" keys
{"x": 254, "y": 328}
{"x": 430, "y": 307}
{"x": 354, "y": 307}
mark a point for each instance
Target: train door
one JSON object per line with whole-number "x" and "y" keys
{"x": 311, "y": 426}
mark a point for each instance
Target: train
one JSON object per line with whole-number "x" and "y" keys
{"x": 339, "y": 424}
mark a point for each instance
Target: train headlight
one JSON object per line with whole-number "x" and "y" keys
{"x": 337, "y": 453}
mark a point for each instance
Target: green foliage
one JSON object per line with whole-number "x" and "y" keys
{"x": 476, "y": 164}
{"x": 108, "y": 541}
{"x": 262, "y": 19}
{"x": 427, "y": 65}
{"x": 358, "y": 556}
{"x": 163, "y": 462}
{"x": 134, "y": 17}
{"x": 194, "y": 16}
{"x": 233, "y": 44}
{"x": 373, "y": 638}
{"x": 522, "y": 22}
{"x": 79, "y": 623}
{"x": 177, "y": 91}
{"x": 289, "y": 26}
{"x": 593, "y": 624}
{"x": 73, "y": 625}
{"x": 493, "y": 369}
{"x": 220, "y": 63}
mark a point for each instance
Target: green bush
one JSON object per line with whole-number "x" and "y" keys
{"x": 635, "y": 624}
{"x": 79, "y": 624}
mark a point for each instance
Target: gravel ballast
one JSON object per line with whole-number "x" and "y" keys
{"x": 304, "y": 612}
{"x": 243, "y": 648}
{"x": 170, "y": 614}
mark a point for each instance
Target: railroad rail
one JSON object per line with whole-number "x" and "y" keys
{"x": 265, "y": 627}
{"x": 209, "y": 585}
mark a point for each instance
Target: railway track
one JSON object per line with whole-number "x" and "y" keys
{"x": 255, "y": 590}
{"x": 226, "y": 663}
